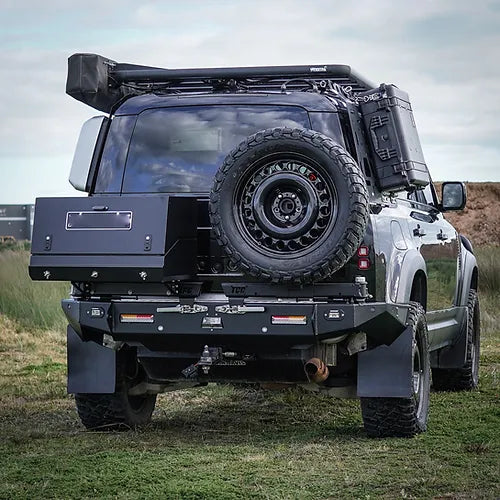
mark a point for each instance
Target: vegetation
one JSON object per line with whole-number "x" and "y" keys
{"x": 488, "y": 259}
{"x": 34, "y": 305}
{"x": 226, "y": 442}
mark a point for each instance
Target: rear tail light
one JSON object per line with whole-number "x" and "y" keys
{"x": 363, "y": 251}
{"x": 363, "y": 254}
{"x": 289, "y": 320}
{"x": 136, "y": 318}
{"x": 363, "y": 264}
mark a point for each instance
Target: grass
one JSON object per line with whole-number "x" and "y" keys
{"x": 488, "y": 259}
{"x": 225, "y": 442}
{"x": 34, "y": 304}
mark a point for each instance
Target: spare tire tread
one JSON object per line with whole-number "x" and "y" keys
{"x": 355, "y": 225}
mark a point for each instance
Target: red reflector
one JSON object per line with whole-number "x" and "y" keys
{"x": 289, "y": 320}
{"x": 363, "y": 251}
{"x": 363, "y": 263}
{"x": 136, "y": 318}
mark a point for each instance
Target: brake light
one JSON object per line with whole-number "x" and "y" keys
{"x": 136, "y": 318}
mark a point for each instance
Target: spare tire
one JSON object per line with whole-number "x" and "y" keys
{"x": 289, "y": 206}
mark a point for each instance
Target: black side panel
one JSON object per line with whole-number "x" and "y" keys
{"x": 91, "y": 367}
{"x": 114, "y": 239}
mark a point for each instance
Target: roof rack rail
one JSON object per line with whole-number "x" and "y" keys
{"x": 103, "y": 83}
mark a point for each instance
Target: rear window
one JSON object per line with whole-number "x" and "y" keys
{"x": 180, "y": 149}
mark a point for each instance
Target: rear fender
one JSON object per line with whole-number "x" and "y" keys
{"x": 412, "y": 263}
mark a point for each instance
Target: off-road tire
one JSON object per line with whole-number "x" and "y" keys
{"x": 342, "y": 237}
{"x": 117, "y": 411}
{"x": 403, "y": 417}
{"x": 467, "y": 377}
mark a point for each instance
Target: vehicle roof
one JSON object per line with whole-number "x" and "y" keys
{"x": 311, "y": 101}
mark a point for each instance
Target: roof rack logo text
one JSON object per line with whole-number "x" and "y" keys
{"x": 318, "y": 69}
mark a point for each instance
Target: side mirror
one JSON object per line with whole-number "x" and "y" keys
{"x": 87, "y": 152}
{"x": 453, "y": 196}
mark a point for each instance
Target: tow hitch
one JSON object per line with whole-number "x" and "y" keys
{"x": 215, "y": 356}
{"x": 209, "y": 357}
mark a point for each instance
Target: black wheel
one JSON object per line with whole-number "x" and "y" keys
{"x": 289, "y": 205}
{"x": 404, "y": 417}
{"x": 120, "y": 410}
{"x": 467, "y": 377}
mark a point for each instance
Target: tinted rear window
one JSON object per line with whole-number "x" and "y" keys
{"x": 180, "y": 149}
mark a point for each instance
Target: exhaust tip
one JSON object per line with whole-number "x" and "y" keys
{"x": 316, "y": 370}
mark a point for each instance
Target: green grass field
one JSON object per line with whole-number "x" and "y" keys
{"x": 225, "y": 442}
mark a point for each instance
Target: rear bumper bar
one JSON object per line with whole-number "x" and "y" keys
{"x": 172, "y": 323}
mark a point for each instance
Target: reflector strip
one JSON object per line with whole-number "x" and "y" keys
{"x": 136, "y": 318}
{"x": 289, "y": 320}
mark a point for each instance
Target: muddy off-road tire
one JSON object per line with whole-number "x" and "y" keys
{"x": 467, "y": 377}
{"x": 404, "y": 417}
{"x": 117, "y": 411}
{"x": 289, "y": 206}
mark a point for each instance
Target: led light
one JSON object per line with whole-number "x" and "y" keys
{"x": 136, "y": 318}
{"x": 363, "y": 251}
{"x": 363, "y": 264}
{"x": 289, "y": 320}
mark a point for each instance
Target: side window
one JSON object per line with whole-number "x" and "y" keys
{"x": 328, "y": 124}
{"x": 110, "y": 173}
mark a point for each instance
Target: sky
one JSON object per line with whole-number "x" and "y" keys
{"x": 444, "y": 53}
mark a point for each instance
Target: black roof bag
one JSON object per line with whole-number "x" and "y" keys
{"x": 89, "y": 81}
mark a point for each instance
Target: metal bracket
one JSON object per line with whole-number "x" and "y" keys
{"x": 238, "y": 309}
{"x": 183, "y": 309}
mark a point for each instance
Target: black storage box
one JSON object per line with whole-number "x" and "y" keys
{"x": 114, "y": 239}
{"x": 396, "y": 151}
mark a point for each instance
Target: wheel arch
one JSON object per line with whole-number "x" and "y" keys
{"x": 469, "y": 279}
{"x": 418, "y": 291}
{"x": 412, "y": 280}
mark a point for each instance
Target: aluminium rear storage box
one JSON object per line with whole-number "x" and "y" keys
{"x": 397, "y": 153}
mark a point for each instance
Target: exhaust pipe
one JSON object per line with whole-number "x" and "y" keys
{"x": 316, "y": 370}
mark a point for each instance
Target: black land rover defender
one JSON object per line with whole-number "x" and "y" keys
{"x": 268, "y": 225}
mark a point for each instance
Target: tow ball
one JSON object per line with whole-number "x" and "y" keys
{"x": 210, "y": 356}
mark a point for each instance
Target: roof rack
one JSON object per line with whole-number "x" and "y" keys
{"x": 103, "y": 83}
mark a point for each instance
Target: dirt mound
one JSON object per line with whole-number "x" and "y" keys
{"x": 480, "y": 221}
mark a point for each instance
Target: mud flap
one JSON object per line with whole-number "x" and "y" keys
{"x": 455, "y": 355}
{"x": 387, "y": 371}
{"x": 91, "y": 367}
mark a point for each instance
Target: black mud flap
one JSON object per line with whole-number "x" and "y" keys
{"x": 109, "y": 239}
{"x": 387, "y": 370}
{"x": 91, "y": 367}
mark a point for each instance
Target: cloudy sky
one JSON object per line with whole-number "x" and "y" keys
{"x": 445, "y": 53}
